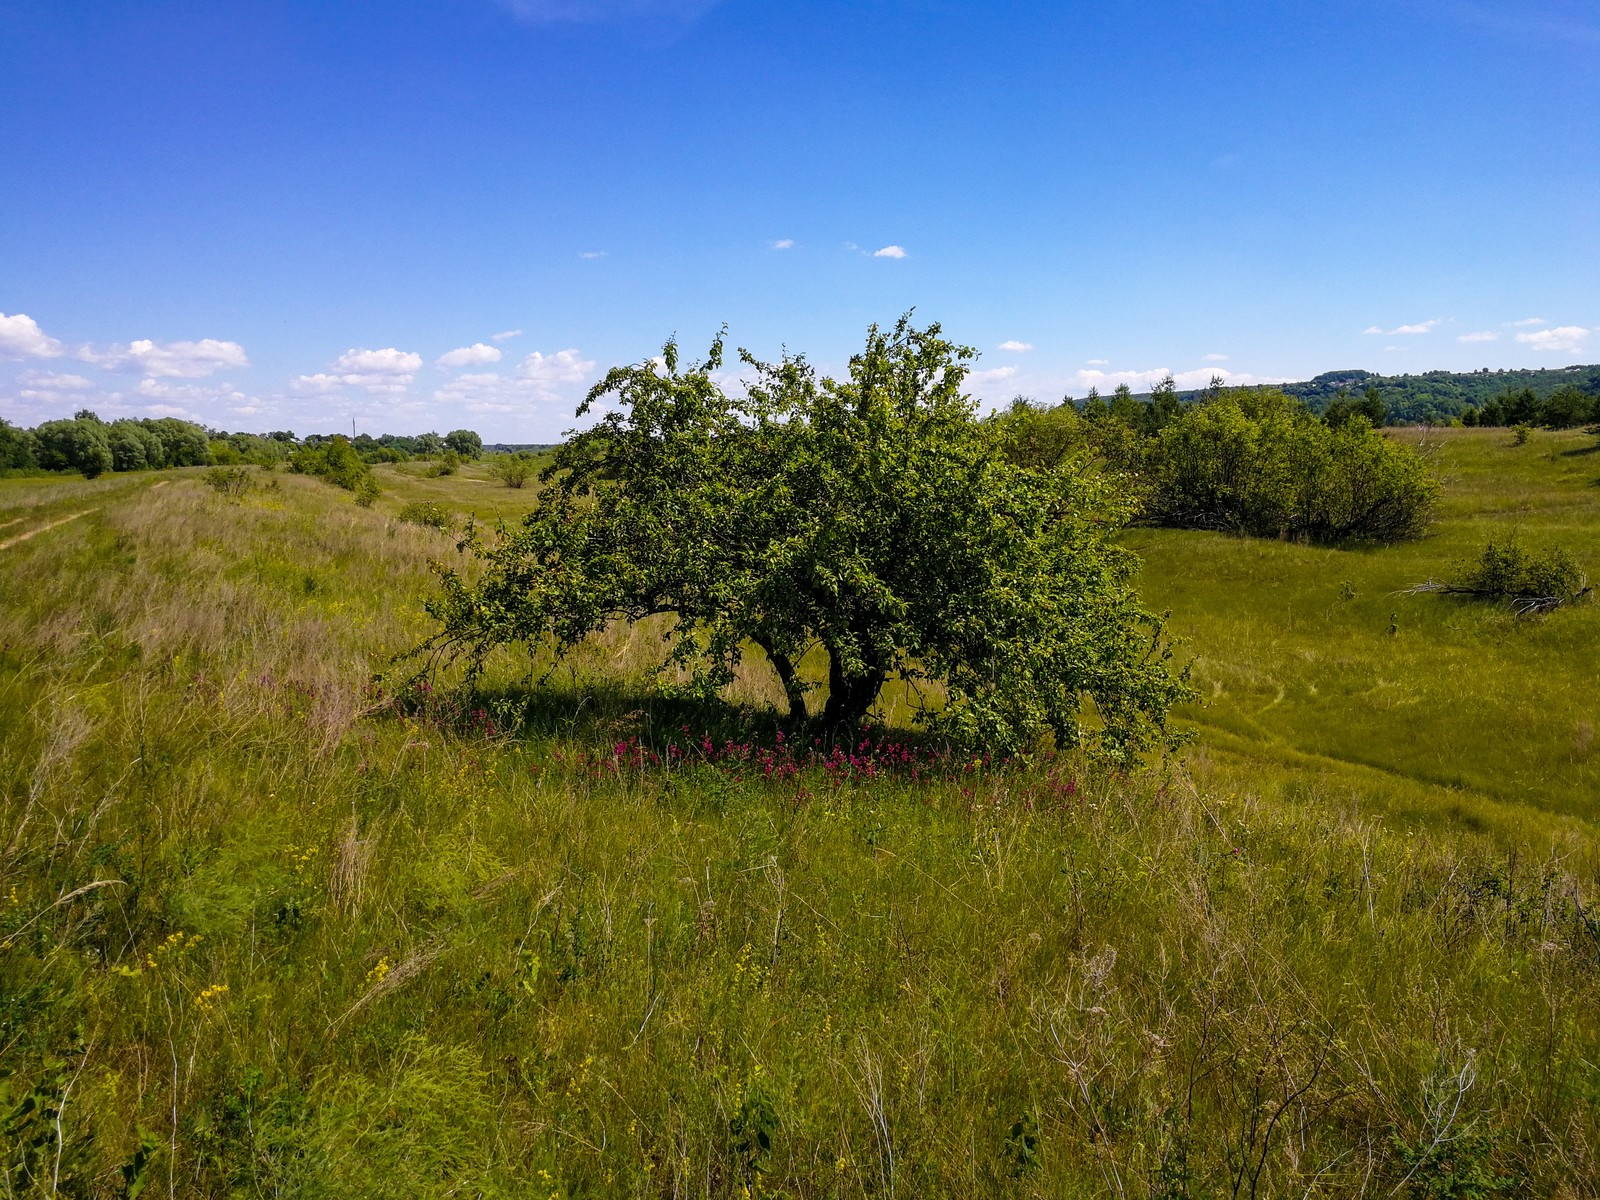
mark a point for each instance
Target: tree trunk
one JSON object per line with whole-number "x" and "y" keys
{"x": 849, "y": 696}
{"x": 793, "y": 687}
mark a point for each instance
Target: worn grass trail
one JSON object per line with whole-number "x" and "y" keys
{"x": 260, "y": 934}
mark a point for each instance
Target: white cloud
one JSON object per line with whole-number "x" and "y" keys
{"x": 505, "y": 335}
{"x": 538, "y": 379}
{"x": 549, "y": 370}
{"x": 475, "y": 355}
{"x": 1526, "y": 323}
{"x": 1215, "y": 358}
{"x": 1419, "y": 327}
{"x": 388, "y": 361}
{"x": 782, "y": 244}
{"x": 1016, "y": 346}
{"x": 1564, "y": 337}
{"x": 385, "y": 372}
{"x": 169, "y": 360}
{"x": 591, "y": 254}
{"x": 50, "y": 381}
{"x": 993, "y": 375}
{"x": 21, "y": 337}
{"x": 890, "y": 252}
{"x": 1479, "y": 337}
{"x": 1099, "y": 362}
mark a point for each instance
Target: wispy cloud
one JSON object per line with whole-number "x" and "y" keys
{"x": 591, "y": 254}
{"x": 169, "y": 360}
{"x": 890, "y": 252}
{"x": 1485, "y": 336}
{"x": 1016, "y": 346}
{"x": 782, "y": 244}
{"x": 50, "y": 381}
{"x": 21, "y": 337}
{"x": 505, "y": 335}
{"x": 1526, "y": 323}
{"x": 1419, "y": 327}
{"x": 1564, "y": 337}
{"x": 1215, "y": 358}
{"x": 538, "y": 379}
{"x": 993, "y": 375}
{"x": 475, "y": 355}
{"x": 1099, "y": 362}
{"x": 386, "y": 372}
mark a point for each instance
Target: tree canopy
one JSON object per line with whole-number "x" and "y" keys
{"x": 875, "y": 517}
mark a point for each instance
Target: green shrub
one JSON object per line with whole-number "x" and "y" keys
{"x": 1258, "y": 462}
{"x": 337, "y": 462}
{"x": 513, "y": 470}
{"x": 230, "y": 482}
{"x": 426, "y": 513}
{"x": 1531, "y": 581}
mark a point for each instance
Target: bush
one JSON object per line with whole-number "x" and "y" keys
{"x": 1520, "y": 434}
{"x": 426, "y": 513}
{"x": 230, "y": 482}
{"x": 337, "y": 462}
{"x": 1532, "y": 582}
{"x": 513, "y": 470}
{"x": 1258, "y": 462}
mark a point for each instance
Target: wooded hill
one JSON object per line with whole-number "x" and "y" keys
{"x": 1436, "y": 396}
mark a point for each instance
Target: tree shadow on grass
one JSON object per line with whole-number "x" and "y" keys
{"x": 606, "y": 714}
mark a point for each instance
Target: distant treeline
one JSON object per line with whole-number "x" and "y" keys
{"x": 1557, "y": 397}
{"x": 91, "y": 446}
{"x": 1246, "y": 460}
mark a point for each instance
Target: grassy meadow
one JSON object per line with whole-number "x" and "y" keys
{"x": 264, "y": 932}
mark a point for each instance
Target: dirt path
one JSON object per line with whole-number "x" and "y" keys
{"x": 49, "y": 525}
{"x": 22, "y": 537}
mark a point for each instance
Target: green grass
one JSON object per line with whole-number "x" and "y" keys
{"x": 292, "y": 942}
{"x": 1295, "y": 659}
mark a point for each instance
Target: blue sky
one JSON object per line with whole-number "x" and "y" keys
{"x": 426, "y": 215}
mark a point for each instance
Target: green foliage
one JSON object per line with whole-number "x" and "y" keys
{"x": 337, "y": 462}
{"x": 874, "y": 517}
{"x": 1450, "y": 1167}
{"x": 1531, "y": 580}
{"x": 18, "y": 448}
{"x": 184, "y": 444}
{"x": 229, "y": 482}
{"x": 425, "y": 512}
{"x": 1257, "y": 462}
{"x": 76, "y": 445}
{"x": 135, "y": 447}
{"x": 1370, "y": 407}
{"x": 751, "y": 1131}
{"x": 513, "y": 470}
{"x": 464, "y": 442}
{"x": 1520, "y": 434}
{"x": 1022, "y": 1146}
